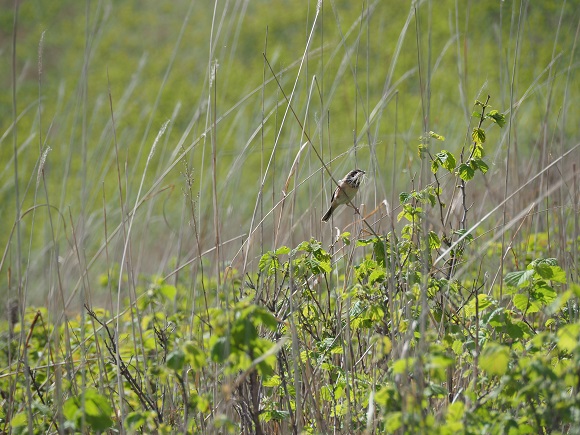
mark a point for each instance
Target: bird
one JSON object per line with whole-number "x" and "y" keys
{"x": 345, "y": 191}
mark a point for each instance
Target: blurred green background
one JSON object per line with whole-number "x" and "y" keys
{"x": 375, "y": 77}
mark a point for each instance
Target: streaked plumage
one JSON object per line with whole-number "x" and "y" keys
{"x": 345, "y": 191}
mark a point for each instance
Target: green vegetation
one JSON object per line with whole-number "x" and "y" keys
{"x": 166, "y": 168}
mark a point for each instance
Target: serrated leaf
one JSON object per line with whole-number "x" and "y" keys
{"x": 522, "y": 302}
{"x": 519, "y": 278}
{"x": 498, "y": 118}
{"x": 377, "y": 275}
{"x": 553, "y": 273}
{"x": 379, "y": 251}
{"x": 404, "y": 196}
{"x": 282, "y": 250}
{"x": 447, "y": 160}
{"x": 465, "y": 172}
{"x": 483, "y": 301}
{"x": 434, "y": 240}
{"x": 477, "y": 151}
{"x": 480, "y": 164}
{"x": 434, "y": 166}
{"x": 272, "y": 381}
{"x": 265, "y": 262}
{"x": 478, "y": 135}
{"x": 345, "y": 237}
{"x": 436, "y": 136}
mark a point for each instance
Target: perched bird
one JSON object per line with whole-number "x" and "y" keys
{"x": 345, "y": 191}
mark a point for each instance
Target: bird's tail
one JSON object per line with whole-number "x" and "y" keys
{"x": 328, "y": 214}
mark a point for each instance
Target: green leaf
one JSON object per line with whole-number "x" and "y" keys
{"x": 514, "y": 330}
{"x": 447, "y": 160}
{"x": 483, "y": 301}
{"x": 176, "y": 360}
{"x": 272, "y": 381}
{"x": 568, "y": 337}
{"x": 96, "y": 411}
{"x": 494, "y": 359}
{"x": 523, "y": 303}
{"x": 403, "y": 365}
{"x": 434, "y": 241}
{"x": 135, "y": 420}
{"x": 441, "y": 361}
{"x": 434, "y": 166}
{"x": 266, "y": 262}
{"x": 19, "y": 420}
{"x": 435, "y": 390}
{"x": 465, "y": 172}
{"x": 478, "y": 135}
{"x": 455, "y": 411}
{"x": 404, "y": 197}
{"x": 479, "y": 164}
{"x": 436, "y": 136}
{"x": 220, "y": 349}
{"x": 393, "y": 422}
{"x": 377, "y": 276}
{"x": 264, "y": 317}
{"x": 498, "y": 118}
{"x": 379, "y": 250}
{"x": 169, "y": 291}
{"x": 519, "y": 278}
{"x": 282, "y": 250}
{"x": 194, "y": 356}
{"x": 477, "y": 151}
{"x": 549, "y": 271}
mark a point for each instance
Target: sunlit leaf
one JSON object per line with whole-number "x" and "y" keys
{"x": 478, "y": 135}
{"x": 434, "y": 240}
{"x": 568, "y": 336}
{"x": 403, "y": 365}
{"x": 436, "y": 136}
{"x": 282, "y": 250}
{"x": 195, "y": 357}
{"x": 498, "y": 118}
{"x": 272, "y": 381}
{"x": 494, "y": 359}
{"x": 169, "y": 291}
{"x": 446, "y": 159}
{"x": 465, "y": 172}
{"x": 523, "y": 303}
{"x": 519, "y": 278}
{"x": 483, "y": 301}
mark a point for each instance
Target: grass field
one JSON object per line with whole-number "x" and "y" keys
{"x": 165, "y": 169}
